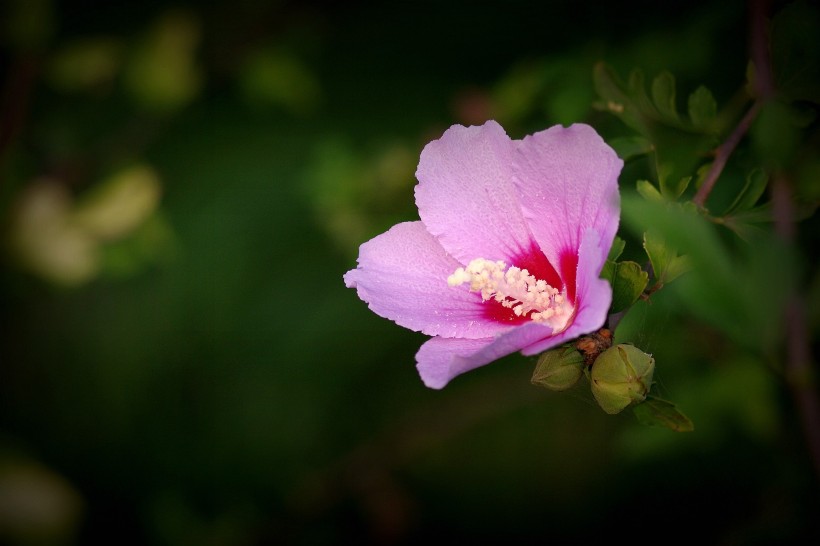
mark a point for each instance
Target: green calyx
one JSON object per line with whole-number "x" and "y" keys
{"x": 621, "y": 376}
{"x": 558, "y": 369}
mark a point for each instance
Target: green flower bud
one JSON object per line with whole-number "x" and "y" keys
{"x": 621, "y": 376}
{"x": 558, "y": 369}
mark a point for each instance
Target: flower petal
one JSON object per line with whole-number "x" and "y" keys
{"x": 439, "y": 360}
{"x": 593, "y": 299}
{"x": 402, "y": 275}
{"x": 466, "y": 196}
{"x": 567, "y": 180}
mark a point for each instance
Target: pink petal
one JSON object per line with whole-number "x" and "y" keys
{"x": 567, "y": 180}
{"x": 466, "y": 197}
{"x": 402, "y": 275}
{"x": 439, "y": 360}
{"x": 593, "y": 298}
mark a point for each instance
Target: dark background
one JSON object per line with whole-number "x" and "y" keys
{"x": 217, "y": 384}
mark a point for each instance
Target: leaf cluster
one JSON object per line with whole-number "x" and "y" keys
{"x": 737, "y": 279}
{"x": 677, "y": 143}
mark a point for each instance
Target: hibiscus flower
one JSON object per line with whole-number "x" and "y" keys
{"x": 508, "y": 253}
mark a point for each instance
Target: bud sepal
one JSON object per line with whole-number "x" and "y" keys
{"x": 662, "y": 413}
{"x": 621, "y": 376}
{"x": 559, "y": 369}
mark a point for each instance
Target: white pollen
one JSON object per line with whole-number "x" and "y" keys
{"x": 515, "y": 289}
{"x": 458, "y": 277}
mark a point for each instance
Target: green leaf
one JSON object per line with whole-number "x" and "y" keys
{"x": 677, "y": 267}
{"x": 616, "y": 99}
{"x": 663, "y": 95}
{"x": 677, "y": 159}
{"x": 666, "y": 263}
{"x": 637, "y": 90}
{"x": 738, "y": 288}
{"x": 648, "y": 191}
{"x": 775, "y": 134}
{"x": 629, "y": 147}
{"x": 746, "y": 223}
{"x": 702, "y": 109}
{"x": 756, "y": 182}
{"x": 675, "y": 189}
{"x": 628, "y": 283}
{"x": 662, "y": 413}
{"x": 608, "y": 271}
{"x": 659, "y": 253}
{"x": 684, "y": 229}
{"x": 700, "y": 175}
{"x": 764, "y": 214}
{"x": 678, "y": 149}
{"x": 713, "y": 282}
{"x": 616, "y": 250}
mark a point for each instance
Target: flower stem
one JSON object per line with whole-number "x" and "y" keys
{"x": 798, "y": 366}
{"x": 723, "y": 152}
{"x": 763, "y": 89}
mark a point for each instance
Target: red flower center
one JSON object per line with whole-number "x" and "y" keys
{"x": 539, "y": 267}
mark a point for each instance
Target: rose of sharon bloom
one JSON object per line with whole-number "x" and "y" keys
{"x": 507, "y": 255}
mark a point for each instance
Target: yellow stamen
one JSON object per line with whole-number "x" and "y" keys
{"x": 515, "y": 289}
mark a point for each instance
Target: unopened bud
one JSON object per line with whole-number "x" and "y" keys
{"x": 621, "y": 376}
{"x": 558, "y": 369}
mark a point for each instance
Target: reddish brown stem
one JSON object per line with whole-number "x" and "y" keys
{"x": 798, "y": 365}
{"x": 723, "y": 153}
{"x": 764, "y": 90}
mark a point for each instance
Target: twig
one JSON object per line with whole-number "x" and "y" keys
{"x": 763, "y": 88}
{"x": 759, "y": 48}
{"x": 723, "y": 152}
{"x": 798, "y": 366}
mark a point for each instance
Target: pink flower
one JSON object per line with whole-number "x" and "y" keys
{"x": 507, "y": 255}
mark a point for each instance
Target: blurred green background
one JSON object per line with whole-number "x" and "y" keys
{"x": 183, "y": 186}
